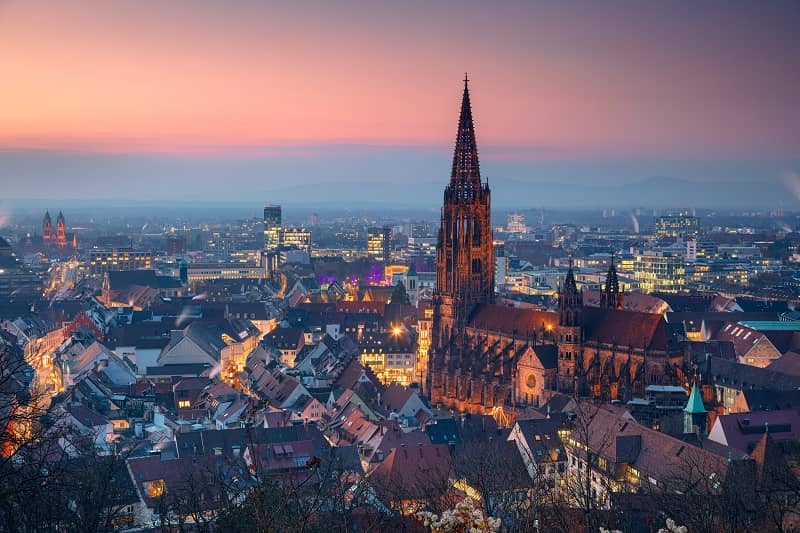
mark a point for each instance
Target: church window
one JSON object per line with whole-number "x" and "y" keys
{"x": 476, "y": 266}
{"x": 476, "y": 234}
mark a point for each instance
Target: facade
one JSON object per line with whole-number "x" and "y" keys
{"x": 299, "y": 238}
{"x": 102, "y": 261}
{"x": 379, "y": 243}
{"x": 424, "y": 327}
{"x": 272, "y": 227}
{"x": 211, "y": 271}
{"x": 660, "y": 271}
{"x": 677, "y": 226}
{"x": 615, "y": 454}
{"x": 391, "y": 356}
{"x": 611, "y": 353}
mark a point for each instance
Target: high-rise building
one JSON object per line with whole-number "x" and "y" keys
{"x": 500, "y": 265}
{"x": 272, "y": 227}
{"x": 379, "y": 243}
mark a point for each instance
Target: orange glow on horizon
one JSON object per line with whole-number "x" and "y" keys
{"x": 242, "y": 77}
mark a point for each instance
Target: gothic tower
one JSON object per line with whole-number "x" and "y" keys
{"x": 464, "y": 251}
{"x": 570, "y": 306}
{"x": 47, "y": 227}
{"x": 612, "y": 297}
{"x": 61, "y": 230}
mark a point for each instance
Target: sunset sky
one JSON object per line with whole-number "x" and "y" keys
{"x": 97, "y": 94}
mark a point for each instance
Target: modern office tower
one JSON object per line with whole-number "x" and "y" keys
{"x": 660, "y": 271}
{"x": 272, "y": 227}
{"x": 379, "y": 243}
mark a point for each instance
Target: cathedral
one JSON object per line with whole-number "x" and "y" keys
{"x": 486, "y": 357}
{"x": 60, "y": 237}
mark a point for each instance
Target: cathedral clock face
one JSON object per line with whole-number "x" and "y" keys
{"x": 531, "y": 381}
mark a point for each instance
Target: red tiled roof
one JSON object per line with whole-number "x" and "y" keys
{"x": 410, "y": 472}
{"x": 395, "y": 396}
{"x": 634, "y": 301}
{"x": 512, "y": 320}
{"x": 625, "y": 328}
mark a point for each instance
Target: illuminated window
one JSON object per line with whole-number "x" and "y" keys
{"x": 155, "y": 488}
{"x": 184, "y": 404}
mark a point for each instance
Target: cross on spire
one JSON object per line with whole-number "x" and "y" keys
{"x": 465, "y": 156}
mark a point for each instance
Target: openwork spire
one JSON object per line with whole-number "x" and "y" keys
{"x": 570, "y": 286}
{"x": 612, "y": 281}
{"x": 465, "y": 157}
{"x": 612, "y": 297}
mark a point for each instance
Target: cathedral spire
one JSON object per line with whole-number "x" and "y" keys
{"x": 612, "y": 297}
{"x": 570, "y": 286}
{"x": 465, "y": 156}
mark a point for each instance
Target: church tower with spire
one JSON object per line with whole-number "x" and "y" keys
{"x": 464, "y": 251}
{"x": 612, "y": 296}
{"x": 47, "y": 227}
{"x": 570, "y": 322}
{"x": 61, "y": 230}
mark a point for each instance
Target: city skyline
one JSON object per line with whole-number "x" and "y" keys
{"x": 171, "y": 101}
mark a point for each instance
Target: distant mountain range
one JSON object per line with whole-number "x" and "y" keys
{"x": 507, "y": 193}
{"x": 514, "y": 193}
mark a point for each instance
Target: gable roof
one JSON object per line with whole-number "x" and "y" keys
{"x": 742, "y": 337}
{"x": 743, "y": 377}
{"x": 742, "y": 431}
{"x": 772, "y": 400}
{"x": 410, "y": 472}
{"x": 542, "y": 438}
{"x": 651, "y": 452}
{"x": 284, "y": 338}
{"x": 396, "y": 396}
